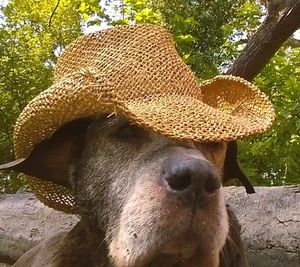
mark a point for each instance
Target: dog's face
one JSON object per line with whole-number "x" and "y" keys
{"x": 149, "y": 195}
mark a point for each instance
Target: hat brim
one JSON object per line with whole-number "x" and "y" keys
{"x": 189, "y": 120}
{"x": 228, "y": 108}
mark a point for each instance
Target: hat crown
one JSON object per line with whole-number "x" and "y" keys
{"x": 128, "y": 57}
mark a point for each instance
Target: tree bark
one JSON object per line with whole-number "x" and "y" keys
{"x": 24, "y": 221}
{"x": 282, "y": 20}
{"x": 270, "y": 221}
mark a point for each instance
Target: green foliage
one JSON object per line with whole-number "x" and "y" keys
{"x": 32, "y": 35}
{"x": 136, "y": 11}
{"x": 198, "y": 30}
{"x": 239, "y": 29}
{"x": 275, "y": 158}
{"x": 209, "y": 35}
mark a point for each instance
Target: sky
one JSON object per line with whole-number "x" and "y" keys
{"x": 110, "y": 12}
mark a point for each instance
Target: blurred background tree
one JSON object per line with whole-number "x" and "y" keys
{"x": 209, "y": 36}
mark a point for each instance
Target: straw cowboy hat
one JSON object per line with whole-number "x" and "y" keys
{"x": 135, "y": 71}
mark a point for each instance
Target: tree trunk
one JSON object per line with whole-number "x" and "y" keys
{"x": 282, "y": 20}
{"x": 270, "y": 222}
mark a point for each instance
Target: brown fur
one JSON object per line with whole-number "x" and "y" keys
{"x": 129, "y": 215}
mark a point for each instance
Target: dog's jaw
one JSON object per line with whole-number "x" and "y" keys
{"x": 140, "y": 241}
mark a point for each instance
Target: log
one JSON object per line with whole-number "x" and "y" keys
{"x": 270, "y": 221}
{"x": 24, "y": 221}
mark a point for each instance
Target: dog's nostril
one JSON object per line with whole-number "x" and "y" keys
{"x": 179, "y": 182}
{"x": 212, "y": 184}
{"x": 191, "y": 175}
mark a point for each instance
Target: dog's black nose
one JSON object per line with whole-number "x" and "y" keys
{"x": 191, "y": 174}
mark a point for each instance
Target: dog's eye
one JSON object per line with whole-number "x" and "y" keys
{"x": 127, "y": 131}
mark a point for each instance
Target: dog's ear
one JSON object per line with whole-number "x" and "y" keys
{"x": 232, "y": 168}
{"x": 50, "y": 160}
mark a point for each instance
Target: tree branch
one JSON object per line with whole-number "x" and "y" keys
{"x": 282, "y": 20}
{"x": 50, "y": 20}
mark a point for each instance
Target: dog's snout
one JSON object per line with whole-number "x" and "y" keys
{"x": 191, "y": 175}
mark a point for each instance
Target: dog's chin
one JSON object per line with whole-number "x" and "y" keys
{"x": 183, "y": 245}
{"x": 181, "y": 248}
{"x": 171, "y": 229}
{"x": 145, "y": 248}
{"x": 137, "y": 257}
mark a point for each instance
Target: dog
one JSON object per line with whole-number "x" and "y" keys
{"x": 129, "y": 138}
{"x": 144, "y": 199}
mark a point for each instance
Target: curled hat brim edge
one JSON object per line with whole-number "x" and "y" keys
{"x": 228, "y": 108}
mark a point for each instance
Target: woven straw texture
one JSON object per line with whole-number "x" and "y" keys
{"x": 135, "y": 71}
